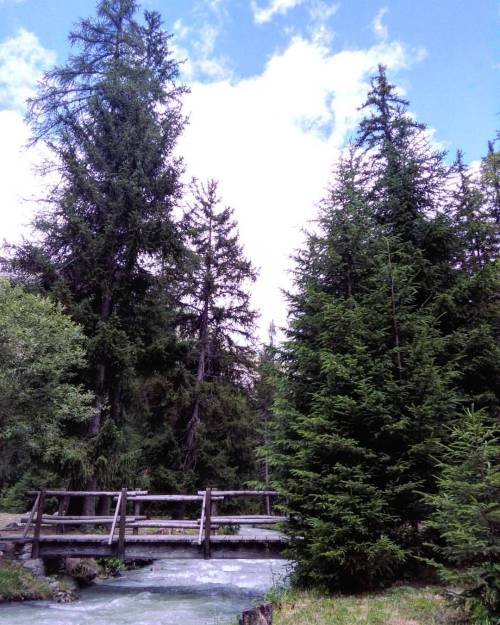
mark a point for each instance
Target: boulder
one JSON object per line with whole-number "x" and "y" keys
{"x": 84, "y": 570}
{"x": 35, "y": 566}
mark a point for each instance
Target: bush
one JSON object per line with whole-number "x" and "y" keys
{"x": 466, "y": 514}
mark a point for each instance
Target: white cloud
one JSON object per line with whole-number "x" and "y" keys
{"x": 22, "y": 62}
{"x": 265, "y": 14}
{"x": 272, "y": 139}
{"x": 379, "y": 28}
{"x": 197, "y": 46}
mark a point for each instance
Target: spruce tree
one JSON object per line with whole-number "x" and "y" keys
{"x": 469, "y": 310}
{"x": 466, "y": 514}
{"x": 368, "y": 382}
{"x": 220, "y": 321}
{"x": 111, "y": 117}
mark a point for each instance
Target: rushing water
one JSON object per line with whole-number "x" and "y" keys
{"x": 167, "y": 592}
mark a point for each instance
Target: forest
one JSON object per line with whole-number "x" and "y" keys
{"x": 128, "y": 342}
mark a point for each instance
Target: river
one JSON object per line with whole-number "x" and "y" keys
{"x": 167, "y": 592}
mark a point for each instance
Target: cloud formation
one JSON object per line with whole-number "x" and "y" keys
{"x": 272, "y": 139}
{"x": 22, "y": 62}
{"x": 265, "y": 14}
{"x": 379, "y": 28}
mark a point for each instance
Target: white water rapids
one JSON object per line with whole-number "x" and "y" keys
{"x": 167, "y": 592}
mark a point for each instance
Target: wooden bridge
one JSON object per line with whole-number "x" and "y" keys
{"x": 135, "y": 536}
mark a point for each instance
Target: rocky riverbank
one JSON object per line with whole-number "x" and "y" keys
{"x": 20, "y": 582}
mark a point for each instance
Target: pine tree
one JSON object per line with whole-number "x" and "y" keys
{"x": 111, "y": 117}
{"x": 220, "y": 320}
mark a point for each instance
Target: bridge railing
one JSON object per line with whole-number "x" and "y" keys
{"x": 209, "y": 521}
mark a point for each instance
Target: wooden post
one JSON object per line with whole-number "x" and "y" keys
{"x": 63, "y": 508}
{"x": 35, "y": 548}
{"x": 137, "y": 512}
{"x": 208, "y": 523}
{"x": 123, "y": 521}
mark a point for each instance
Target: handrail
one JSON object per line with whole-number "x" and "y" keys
{"x": 243, "y": 493}
{"x": 30, "y": 517}
{"x": 115, "y": 518}
{"x": 87, "y": 493}
{"x": 202, "y": 520}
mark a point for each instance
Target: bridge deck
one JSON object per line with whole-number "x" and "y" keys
{"x": 155, "y": 546}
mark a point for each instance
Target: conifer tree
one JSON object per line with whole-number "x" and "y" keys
{"x": 111, "y": 117}
{"x": 466, "y": 514}
{"x": 470, "y": 310}
{"x": 368, "y": 380}
{"x": 220, "y": 320}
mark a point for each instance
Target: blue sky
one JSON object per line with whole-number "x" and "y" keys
{"x": 275, "y": 87}
{"x": 454, "y": 88}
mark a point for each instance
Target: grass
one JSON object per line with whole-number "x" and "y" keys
{"x": 401, "y": 605}
{"x": 17, "y": 584}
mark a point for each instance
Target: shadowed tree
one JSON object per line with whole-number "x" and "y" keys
{"x": 219, "y": 316}
{"x": 111, "y": 117}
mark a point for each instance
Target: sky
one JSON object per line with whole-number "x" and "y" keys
{"x": 275, "y": 87}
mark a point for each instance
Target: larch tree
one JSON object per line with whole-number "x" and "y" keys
{"x": 111, "y": 117}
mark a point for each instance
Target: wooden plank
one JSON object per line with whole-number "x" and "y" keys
{"x": 236, "y": 520}
{"x": 163, "y": 498}
{"x": 123, "y": 522}
{"x": 202, "y": 522}
{"x": 30, "y": 517}
{"x": 55, "y": 522}
{"x": 115, "y": 518}
{"x": 173, "y": 524}
{"x": 243, "y": 493}
{"x": 85, "y": 493}
{"x": 48, "y": 518}
{"x": 208, "y": 529}
{"x": 35, "y": 547}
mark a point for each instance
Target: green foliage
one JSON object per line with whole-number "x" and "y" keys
{"x": 17, "y": 584}
{"x": 111, "y": 566}
{"x": 390, "y": 335}
{"x": 218, "y": 319}
{"x": 466, "y": 514}
{"x": 107, "y": 240}
{"x": 42, "y": 409}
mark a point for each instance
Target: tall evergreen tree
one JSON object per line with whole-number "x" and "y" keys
{"x": 368, "y": 382}
{"x": 111, "y": 117}
{"x": 220, "y": 320}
